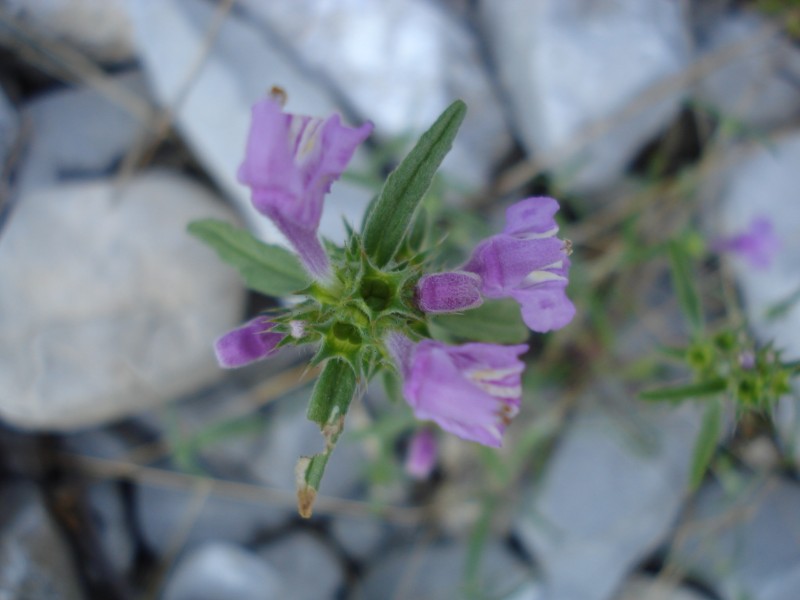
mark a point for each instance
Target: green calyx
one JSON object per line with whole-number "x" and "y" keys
{"x": 354, "y": 310}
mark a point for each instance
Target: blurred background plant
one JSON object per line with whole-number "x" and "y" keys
{"x": 656, "y": 452}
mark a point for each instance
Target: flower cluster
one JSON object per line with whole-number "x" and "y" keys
{"x": 365, "y": 312}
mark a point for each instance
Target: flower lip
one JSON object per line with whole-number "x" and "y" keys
{"x": 290, "y": 163}
{"x": 472, "y": 390}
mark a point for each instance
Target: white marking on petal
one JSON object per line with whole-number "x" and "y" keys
{"x": 304, "y": 136}
{"x": 499, "y": 390}
{"x": 539, "y": 236}
{"x": 492, "y": 374}
{"x": 537, "y": 277}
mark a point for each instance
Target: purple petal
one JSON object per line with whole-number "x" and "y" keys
{"x": 246, "y": 344}
{"x": 421, "y": 455}
{"x": 532, "y": 216}
{"x": 290, "y": 163}
{"x": 545, "y": 307}
{"x": 449, "y": 292}
{"x": 504, "y": 262}
{"x": 471, "y": 390}
{"x": 758, "y": 245}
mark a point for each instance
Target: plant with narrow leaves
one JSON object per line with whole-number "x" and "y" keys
{"x": 372, "y": 305}
{"x": 727, "y": 364}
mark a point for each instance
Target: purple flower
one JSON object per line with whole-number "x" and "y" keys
{"x": 421, "y": 456}
{"x": 472, "y": 390}
{"x": 246, "y": 344}
{"x": 758, "y": 245}
{"x": 449, "y": 292}
{"x": 527, "y": 262}
{"x": 290, "y": 163}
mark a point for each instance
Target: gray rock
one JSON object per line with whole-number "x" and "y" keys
{"x": 573, "y": 65}
{"x": 9, "y": 128}
{"x": 762, "y": 86}
{"x": 217, "y": 570}
{"x": 170, "y": 516}
{"x": 436, "y": 572}
{"x": 648, "y": 588}
{"x": 100, "y": 28}
{"x": 213, "y": 112}
{"x": 360, "y": 537}
{"x": 308, "y": 568}
{"x": 80, "y": 133}
{"x": 108, "y": 306}
{"x": 399, "y": 63}
{"x": 744, "y": 542}
{"x": 609, "y": 496}
{"x": 110, "y": 520}
{"x": 35, "y": 561}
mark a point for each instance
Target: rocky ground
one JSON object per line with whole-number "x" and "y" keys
{"x": 132, "y": 467}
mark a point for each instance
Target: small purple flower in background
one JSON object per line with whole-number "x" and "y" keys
{"x": 527, "y": 262}
{"x": 246, "y": 344}
{"x": 758, "y": 245}
{"x": 449, "y": 292}
{"x": 421, "y": 454}
{"x": 471, "y": 390}
{"x": 747, "y": 360}
{"x": 290, "y": 163}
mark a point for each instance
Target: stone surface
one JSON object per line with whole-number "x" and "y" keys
{"x": 212, "y": 104}
{"x": 648, "y": 588}
{"x": 744, "y": 542}
{"x": 218, "y": 570}
{"x": 308, "y": 568}
{"x": 360, "y": 537}
{"x": 570, "y": 65}
{"x": 436, "y": 572}
{"x": 170, "y": 516}
{"x": 109, "y": 517}
{"x": 101, "y": 28}
{"x": 760, "y": 87}
{"x": 34, "y": 560}
{"x": 9, "y": 127}
{"x": 79, "y": 133}
{"x": 609, "y": 495}
{"x": 399, "y": 63}
{"x": 108, "y": 306}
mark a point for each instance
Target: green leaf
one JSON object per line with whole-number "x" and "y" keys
{"x": 684, "y": 286}
{"x": 330, "y": 400}
{"x": 706, "y": 443}
{"x": 268, "y": 269}
{"x": 332, "y": 393}
{"x": 683, "y": 392}
{"x": 495, "y": 321}
{"x": 390, "y": 218}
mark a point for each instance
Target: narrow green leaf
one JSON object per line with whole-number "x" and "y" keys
{"x": 495, "y": 321}
{"x": 706, "y": 443}
{"x": 684, "y": 286}
{"x": 328, "y": 406}
{"x": 684, "y": 392}
{"x": 390, "y": 218}
{"x": 332, "y": 393}
{"x": 268, "y": 269}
